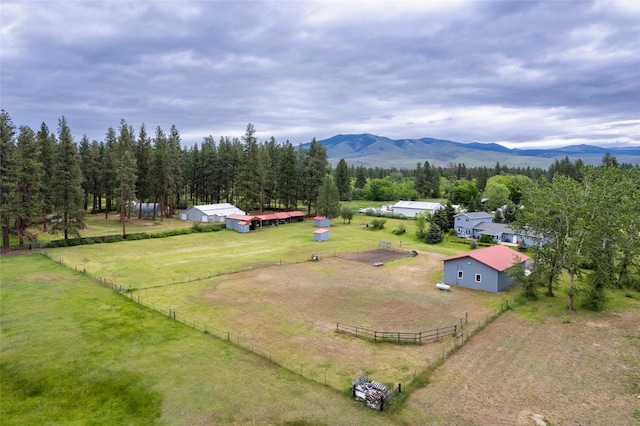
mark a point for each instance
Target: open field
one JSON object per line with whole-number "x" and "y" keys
{"x": 533, "y": 364}
{"x": 538, "y": 366}
{"x": 77, "y": 353}
{"x": 284, "y": 306}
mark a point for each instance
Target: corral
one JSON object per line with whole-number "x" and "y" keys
{"x": 377, "y": 255}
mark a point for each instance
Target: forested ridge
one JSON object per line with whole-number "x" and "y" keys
{"x": 591, "y": 214}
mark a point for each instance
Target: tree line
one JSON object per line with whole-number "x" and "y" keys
{"x": 588, "y": 214}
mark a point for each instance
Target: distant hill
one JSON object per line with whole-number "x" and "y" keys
{"x": 378, "y": 151}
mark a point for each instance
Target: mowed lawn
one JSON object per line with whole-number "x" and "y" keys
{"x": 73, "y": 352}
{"x": 261, "y": 291}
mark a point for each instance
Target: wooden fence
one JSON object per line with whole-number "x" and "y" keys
{"x": 403, "y": 336}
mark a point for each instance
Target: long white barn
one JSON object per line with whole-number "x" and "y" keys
{"x": 413, "y": 208}
{"x": 210, "y": 212}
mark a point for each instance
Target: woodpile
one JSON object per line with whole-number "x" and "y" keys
{"x": 373, "y": 393}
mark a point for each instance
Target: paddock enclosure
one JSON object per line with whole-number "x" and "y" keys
{"x": 289, "y": 312}
{"x": 376, "y": 255}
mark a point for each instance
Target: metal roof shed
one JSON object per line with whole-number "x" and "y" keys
{"x": 321, "y": 234}
{"x": 321, "y": 221}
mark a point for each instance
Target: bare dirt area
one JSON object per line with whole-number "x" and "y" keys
{"x": 515, "y": 372}
{"x": 289, "y": 313}
{"x": 375, "y": 256}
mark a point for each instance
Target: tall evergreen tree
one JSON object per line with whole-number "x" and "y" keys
{"x": 7, "y": 173}
{"x": 175, "y": 180}
{"x": 361, "y": 177}
{"x": 67, "y": 185}
{"x": 97, "y": 150}
{"x": 126, "y": 172}
{"x": 343, "y": 180}
{"x": 315, "y": 170}
{"x": 143, "y": 155}
{"x": 253, "y": 172}
{"x": 29, "y": 176}
{"x": 160, "y": 171}
{"x": 328, "y": 198}
{"x": 287, "y": 180}
{"x": 109, "y": 169}
{"x": 47, "y": 145}
{"x": 86, "y": 165}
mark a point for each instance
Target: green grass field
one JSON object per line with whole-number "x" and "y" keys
{"x": 75, "y": 352}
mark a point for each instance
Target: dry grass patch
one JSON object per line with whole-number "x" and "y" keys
{"x": 516, "y": 372}
{"x": 288, "y": 313}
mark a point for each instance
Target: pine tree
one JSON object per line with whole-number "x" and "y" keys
{"x": 47, "y": 146}
{"x": 125, "y": 172}
{"x": 109, "y": 169}
{"x": 253, "y": 172}
{"x": 29, "y": 177}
{"x": 7, "y": 173}
{"x": 86, "y": 165}
{"x": 144, "y": 155}
{"x": 361, "y": 177}
{"x": 343, "y": 180}
{"x": 328, "y": 198}
{"x": 67, "y": 185}
{"x": 287, "y": 179}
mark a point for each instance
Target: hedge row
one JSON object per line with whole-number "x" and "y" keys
{"x": 196, "y": 228}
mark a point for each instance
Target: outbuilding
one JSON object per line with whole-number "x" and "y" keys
{"x": 483, "y": 269}
{"x": 414, "y": 208}
{"x": 242, "y": 223}
{"x": 146, "y": 209}
{"x": 210, "y": 212}
{"x": 321, "y": 221}
{"x": 321, "y": 234}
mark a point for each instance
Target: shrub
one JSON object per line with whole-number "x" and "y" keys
{"x": 434, "y": 235}
{"x": 473, "y": 245}
{"x": 378, "y": 223}
{"x": 399, "y": 230}
{"x": 486, "y": 239}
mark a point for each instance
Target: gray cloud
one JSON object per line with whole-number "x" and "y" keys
{"x": 514, "y": 72}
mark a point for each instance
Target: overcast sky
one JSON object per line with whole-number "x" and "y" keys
{"x": 519, "y": 73}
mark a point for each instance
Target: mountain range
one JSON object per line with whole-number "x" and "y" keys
{"x": 378, "y": 151}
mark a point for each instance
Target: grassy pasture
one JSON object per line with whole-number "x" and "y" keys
{"x": 261, "y": 291}
{"x": 73, "y": 352}
{"x": 77, "y": 353}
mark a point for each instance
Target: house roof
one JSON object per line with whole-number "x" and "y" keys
{"x": 418, "y": 205}
{"x": 498, "y": 257}
{"x": 475, "y": 215}
{"x": 491, "y": 228}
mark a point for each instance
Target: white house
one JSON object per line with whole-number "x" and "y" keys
{"x": 413, "y": 208}
{"x": 210, "y": 212}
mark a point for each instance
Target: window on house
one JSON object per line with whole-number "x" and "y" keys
{"x": 459, "y": 275}
{"x": 478, "y": 278}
